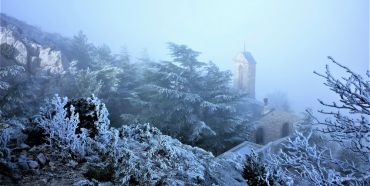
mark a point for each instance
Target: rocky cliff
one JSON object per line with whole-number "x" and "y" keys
{"x": 31, "y": 64}
{"x": 28, "y": 46}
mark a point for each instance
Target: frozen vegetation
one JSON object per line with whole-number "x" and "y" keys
{"x": 307, "y": 157}
{"x": 72, "y": 113}
{"x": 74, "y": 137}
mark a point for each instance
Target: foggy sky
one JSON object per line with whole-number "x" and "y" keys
{"x": 288, "y": 39}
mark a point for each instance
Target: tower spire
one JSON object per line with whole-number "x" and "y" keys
{"x": 244, "y": 47}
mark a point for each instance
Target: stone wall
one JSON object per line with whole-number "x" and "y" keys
{"x": 272, "y": 125}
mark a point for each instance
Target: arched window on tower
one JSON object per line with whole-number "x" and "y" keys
{"x": 240, "y": 77}
{"x": 285, "y": 130}
{"x": 260, "y": 136}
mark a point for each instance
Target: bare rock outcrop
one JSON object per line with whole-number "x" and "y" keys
{"x": 19, "y": 49}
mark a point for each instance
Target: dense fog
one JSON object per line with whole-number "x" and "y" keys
{"x": 184, "y": 92}
{"x": 289, "y": 39}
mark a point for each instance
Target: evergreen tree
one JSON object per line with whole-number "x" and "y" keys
{"x": 82, "y": 51}
{"x": 121, "y": 100}
{"x": 189, "y": 99}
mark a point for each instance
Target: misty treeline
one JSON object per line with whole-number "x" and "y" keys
{"x": 185, "y": 98}
{"x": 333, "y": 151}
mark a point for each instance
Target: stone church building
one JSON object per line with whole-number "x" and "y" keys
{"x": 270, "y": 123}
{"x": 245, "y": 73}
{"x": 271, "y": 126}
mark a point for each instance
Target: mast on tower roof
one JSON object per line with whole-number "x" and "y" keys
{"x": 244, "y": 47}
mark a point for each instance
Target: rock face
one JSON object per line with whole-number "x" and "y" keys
{"x": 30, "y": 52}
{"x": 41, "y": 59}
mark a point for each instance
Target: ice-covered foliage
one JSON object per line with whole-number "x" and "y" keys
{"x": 118, "y": 91}
{"x": 308, "y": 163}
{"x": 144, "y": 156}
{"x": 82, "y": 51}
{"x": 185, "y": 98}
{"x": 190, "y": 100}
{"x": 311, "y": 161}
{"x": 258, "y": 172}
{"x": 136, "y": 154}
{"x": 80, "y": 83}
{"x": 6, "y": 72}
{"x": 349, "y": 124}
{"x": 60, "y": 124}
{"x": 305, "y": 160}
{"x": 78, "y": 126}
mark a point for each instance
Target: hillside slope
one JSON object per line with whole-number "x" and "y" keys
{"x": 70, "y": 142}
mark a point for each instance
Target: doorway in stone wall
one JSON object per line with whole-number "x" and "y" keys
{"x": 260, "y": 136}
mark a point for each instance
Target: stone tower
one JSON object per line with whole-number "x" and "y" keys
{"x": 245, "y": 73}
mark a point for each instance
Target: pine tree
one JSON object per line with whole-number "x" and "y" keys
{"x": 82, "y": 51}
{"x": 189, "y": 99}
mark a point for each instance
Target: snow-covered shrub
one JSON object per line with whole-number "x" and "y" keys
{"x": 60, "y": 124}
{"x": 93, "y": 115}
{"x": 142, "y": 155}
{"x": 136, "y": 154}
{"x": 80, "y": 125}
{"x": 257, "y": 172}
{"x": 312, "y": 164}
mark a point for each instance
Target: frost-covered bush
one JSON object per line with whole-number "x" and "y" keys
{"x": 258, "y": 172}
{"x": 60, "y": 124}
{"x": 93, "y": 115}
{"x": 138, "y": 154}
{"x": 80, "y": 126}
{"x": 135, "y": 154}
{"x": 142, "y": 155}
{"x": 309, "y": 163}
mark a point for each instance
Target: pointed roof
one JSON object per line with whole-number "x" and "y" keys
{"x": 245, "y": 57}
